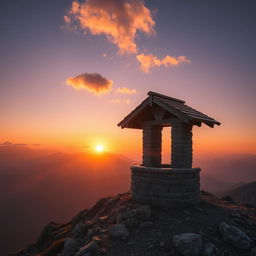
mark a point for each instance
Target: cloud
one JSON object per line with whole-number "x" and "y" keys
{"x": 149, "y": 61}
{"x": 125, "y": 90}
{"x": 8, "y": 143}
{"x": 118, "y": 20}
{"x": 92, "y": 82}
{"x": 118, "y": 101}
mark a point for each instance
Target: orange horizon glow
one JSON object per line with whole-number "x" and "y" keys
{"x": 128, "y": 142}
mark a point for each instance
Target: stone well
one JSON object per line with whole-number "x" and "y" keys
{"x": 176, "y": 184}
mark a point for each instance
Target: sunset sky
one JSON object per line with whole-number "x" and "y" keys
{"x": 70, "y": 71}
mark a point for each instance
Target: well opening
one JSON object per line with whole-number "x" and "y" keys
{"x": 166, "y": 146}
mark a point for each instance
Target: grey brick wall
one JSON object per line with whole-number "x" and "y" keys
{"x": 165, "y": 186}
{"x": 152, "y": 145}
{"x": 182, "y": 151}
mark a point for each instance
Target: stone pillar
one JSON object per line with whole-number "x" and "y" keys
{"x": 181, "y": 145}
{"x": 152, "y": 145}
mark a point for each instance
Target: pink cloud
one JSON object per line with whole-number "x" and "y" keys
{"x": 148, "y": 61}
{"x": 92, "y": 82}
{"x": 118, "y": 20}
{"x": 125, "y": 90}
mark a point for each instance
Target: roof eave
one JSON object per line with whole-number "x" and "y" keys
{"x": 136, "y": 111}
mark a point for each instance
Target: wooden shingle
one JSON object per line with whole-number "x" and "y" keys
{"x": 174, "y": 107}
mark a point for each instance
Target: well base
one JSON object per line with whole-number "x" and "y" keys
{"x": 169, "y": 187}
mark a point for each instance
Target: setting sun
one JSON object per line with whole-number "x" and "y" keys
{"x": 99, "y": 148}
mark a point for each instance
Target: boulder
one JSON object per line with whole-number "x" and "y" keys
{"x": 146, "y": 224}
{"x": 131, "y": 223}
{"x": 235, "y": 236}
{"x": 123, "y": 216}
{"x": 228, "y": 199}
{"x": 89, "y": 248}
{"x": 253, "y": 252}
{"x": 133, "y": 217}
{"x": 209, "y": 249}
{"x": 118, "y": 231}
{"x": 103, "y": 218}
{"x": 79, "y": 229}
{"x": 188, "y": 244}
{"x": 92, "y": 232}
{"x": 55, "y": 248}
{"x": 143, "y": 212}
{"x": 70, "y": 247}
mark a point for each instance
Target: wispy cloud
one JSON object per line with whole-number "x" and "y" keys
{"x": 148, "y": 61}
{"x": 106, "y": 56}
{"x": 125, "y": 90}
{"x": 92, "y": 82}
{"x": 118, "y": 101}
{"x": 8, "y": 143}
{"x": 118, "y": 20}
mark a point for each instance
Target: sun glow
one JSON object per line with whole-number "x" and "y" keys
{"x": 99, "y": 148}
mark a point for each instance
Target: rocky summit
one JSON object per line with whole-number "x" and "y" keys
{"x": 118, "y": 226}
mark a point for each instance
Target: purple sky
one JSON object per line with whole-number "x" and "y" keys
{"x": 38, "y": 54}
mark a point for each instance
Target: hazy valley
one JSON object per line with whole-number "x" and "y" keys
{"x": 39, "y": 186}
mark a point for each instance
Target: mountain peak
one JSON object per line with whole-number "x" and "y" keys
{"x": 120, "y": 226}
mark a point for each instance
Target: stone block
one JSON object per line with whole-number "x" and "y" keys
{"x": 158, "y": 185}
{"x": 158, "y": 201}
{"x": 188, "y": 195}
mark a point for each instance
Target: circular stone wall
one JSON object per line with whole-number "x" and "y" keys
{"x": 166, "y": 186}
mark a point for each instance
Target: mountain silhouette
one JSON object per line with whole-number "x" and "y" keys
{"x": 245, "y": 193}
{"x": 37, "y": 186}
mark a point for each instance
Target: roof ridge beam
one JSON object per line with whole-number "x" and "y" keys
{"x": 172, "y": 110}
{"x": 151, "y": 93}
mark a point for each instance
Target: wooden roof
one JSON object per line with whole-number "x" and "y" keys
{"x": 174, "y": 107}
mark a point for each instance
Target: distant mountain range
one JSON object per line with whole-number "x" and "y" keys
{"x": 232, "y": 169}
{"x": 244, "y": 194}
{"x": 227, "y": 173}
{"x": 38, "y": 186}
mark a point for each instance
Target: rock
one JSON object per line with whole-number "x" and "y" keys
{"x": 96, "y": 239}
{"x": 228, "y": 199}
{"x": 90, "y": 248}
{"x": 162, "y": 244}
{"x": 55, "y": 248}
{"x": 70, "y": 247}
{"x": 133, "y": 217}
{"x": 146, "y": 224}
{"x": 248, "y": 205}
{"x": 119, "y": 218}
{"x": 46, "y": 235}
{"x": 89, "y": 224}
{"x": 235, "y": 236}
{"x": 122, "y": 216}
{"x": 235, "y": 214}
{"x": 79, "y": 229}
{"x": 113, "y": 200}
{"x": 188, "y": 244}
{"x": 118, "y": 231}
{"x": 131, "y": 223}
{"x": 209, "y": 249}
{"x": 103, "y": 218}
{"x": 143, "y": 212}
{"x": 92, "y": 232}
{"x": 253, "y": 252}
{"x": 80, "y": 217}
{"x": 102, "y": 251}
